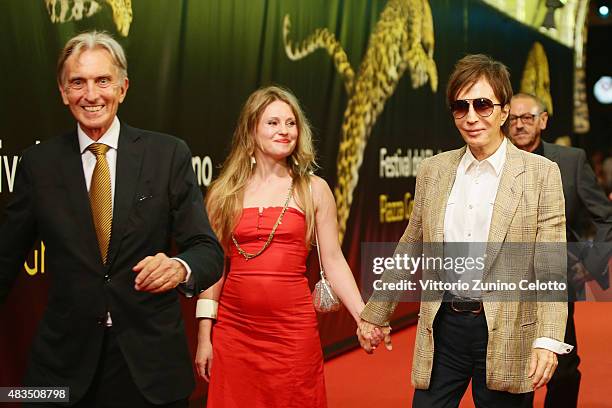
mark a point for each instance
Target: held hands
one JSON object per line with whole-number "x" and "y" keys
{"x": 157, "y": 274}
{"x": 542, "y": 366}
{"x": 370, "y": 336}
{"x": 203, "y": 359}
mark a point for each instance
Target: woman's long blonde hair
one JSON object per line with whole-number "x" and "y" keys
{"x": 225, "y": 195}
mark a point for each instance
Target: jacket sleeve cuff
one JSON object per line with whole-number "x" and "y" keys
{"x": 375, "y": 313}
{"x": 186, "y": 287}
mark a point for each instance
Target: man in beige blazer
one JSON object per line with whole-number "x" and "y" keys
{"x": 488, "y": 191}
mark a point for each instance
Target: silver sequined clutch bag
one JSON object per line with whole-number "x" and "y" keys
{"x": 323, "y": 296}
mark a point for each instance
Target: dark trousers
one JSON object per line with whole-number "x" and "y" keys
{"x": 112, "y": 385}
{"x": 564, "y": 385}
{"x": 460, "y": 344}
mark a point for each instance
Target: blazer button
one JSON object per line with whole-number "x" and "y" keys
{"x": 101, "y": 321}
{"x": 106, "y": 278}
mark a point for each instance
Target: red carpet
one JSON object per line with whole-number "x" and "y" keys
{"x": 357, "y": 380}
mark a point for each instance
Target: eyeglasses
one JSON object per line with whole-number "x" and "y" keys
{"x": 526, "y": 118}
{"x": 483, "y": 107}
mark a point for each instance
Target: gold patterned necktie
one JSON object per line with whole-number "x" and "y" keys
{"x": 101, "y": 198}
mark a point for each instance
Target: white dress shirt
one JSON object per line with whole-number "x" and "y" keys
{"x": 469, "y": 210}
{"x": 470, "y": 204}
{"x": 468, "y": 218}
{"x": 111, "y": 139}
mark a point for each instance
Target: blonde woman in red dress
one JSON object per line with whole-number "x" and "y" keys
{"x": 263, "y": 350}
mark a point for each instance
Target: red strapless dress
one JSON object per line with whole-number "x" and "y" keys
{"x": 266, "y": 347}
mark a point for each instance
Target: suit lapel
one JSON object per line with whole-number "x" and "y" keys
{"x": 78, "y": 198}
{"x": 129, "y": 156}
{"x": 446, "y": 179}
{"x": 551, "y": 152}
{"x": 508, "y": 196}
{"x": 441, "y": 192}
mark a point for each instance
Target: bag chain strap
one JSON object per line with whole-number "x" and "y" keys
{"x": 321, "y": 272}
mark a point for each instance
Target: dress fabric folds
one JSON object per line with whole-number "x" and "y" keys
{"x": 266, "y": 347}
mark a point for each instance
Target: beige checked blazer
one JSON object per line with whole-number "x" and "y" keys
{"x": 528, "y": 208}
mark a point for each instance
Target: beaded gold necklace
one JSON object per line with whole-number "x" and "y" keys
{"x": 248, "y": 255}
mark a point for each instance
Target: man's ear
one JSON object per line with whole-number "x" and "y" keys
{"x": 543, "y": 120}
{"x": 505, "y": 111}
{"x": 123, "y": 87}
{"x": 63, "y": 93}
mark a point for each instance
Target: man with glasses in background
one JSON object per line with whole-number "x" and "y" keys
{"x": 528, "y": 118}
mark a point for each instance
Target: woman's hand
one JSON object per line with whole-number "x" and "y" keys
{"x": 359, "y": 311}
{"x": 204, "y": 358}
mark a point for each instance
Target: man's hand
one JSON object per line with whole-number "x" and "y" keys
{"x": 370, "y": 336}
{"x": 580, "y": 275}
{"x": 158, "y": 274}
{"x": 543, "y": 365}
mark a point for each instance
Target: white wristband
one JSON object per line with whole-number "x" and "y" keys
{"x": 206, "y": 308}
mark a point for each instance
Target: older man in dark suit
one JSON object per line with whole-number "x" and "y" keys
{"x": 107, "y": 199}
{"x": 528, "y": 118}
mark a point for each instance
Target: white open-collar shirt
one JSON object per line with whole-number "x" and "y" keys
{"x": 469, "y": 211}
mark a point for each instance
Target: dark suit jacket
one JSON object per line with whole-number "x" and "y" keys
{"x": 582, "y": 193}
{"x": 156, "y": 199}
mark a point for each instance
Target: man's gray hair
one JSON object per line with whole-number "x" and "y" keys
{"x": 88, "y": 41}
{"x": 538, "y": 101}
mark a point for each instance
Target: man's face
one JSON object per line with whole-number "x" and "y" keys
{"x": 93, "y": 90}
{"x": 526, "y": 123}
{"x": 482, "y": 132}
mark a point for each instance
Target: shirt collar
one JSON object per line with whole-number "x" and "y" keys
{"x": 496, "y": 160}
{"x": 110, "y": 138}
